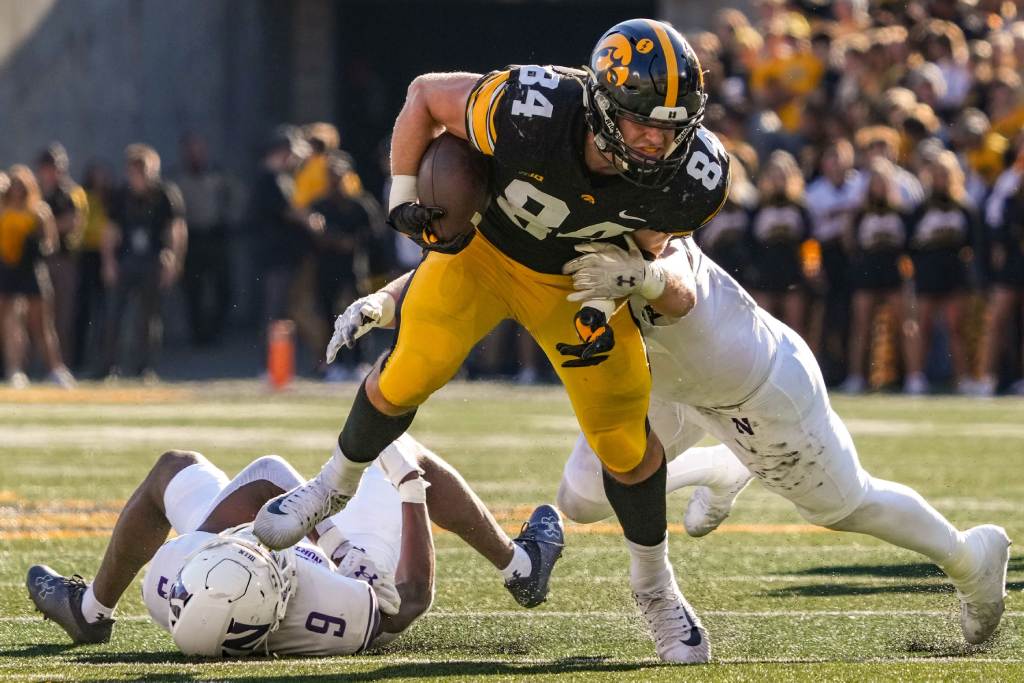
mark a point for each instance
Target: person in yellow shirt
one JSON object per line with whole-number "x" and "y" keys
{"x": 27, "y": 235}
{"x": 789, "y": 73}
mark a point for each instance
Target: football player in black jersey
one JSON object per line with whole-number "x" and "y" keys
{"x": 606, "y": 161}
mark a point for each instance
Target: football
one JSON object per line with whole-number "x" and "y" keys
{"x": 454, "y": 177}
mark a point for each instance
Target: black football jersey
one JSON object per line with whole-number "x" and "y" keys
{"x": 544, "y": 200}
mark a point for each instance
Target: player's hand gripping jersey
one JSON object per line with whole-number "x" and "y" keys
{"x": 530, "y": 119}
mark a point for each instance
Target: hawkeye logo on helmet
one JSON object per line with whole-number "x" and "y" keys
{"x": 614, "y": 55}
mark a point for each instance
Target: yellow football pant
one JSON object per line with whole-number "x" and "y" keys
{"x": 452, "y": 301}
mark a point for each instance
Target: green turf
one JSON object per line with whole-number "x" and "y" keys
{"x": 779, "y": 606}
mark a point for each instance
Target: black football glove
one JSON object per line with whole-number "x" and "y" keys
{"x": 413, "y": 219}
{"x": 597, "y": 337}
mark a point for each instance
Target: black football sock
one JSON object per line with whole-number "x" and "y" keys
{"x": 368, "y": 431}
{"x": 641, "y": 507}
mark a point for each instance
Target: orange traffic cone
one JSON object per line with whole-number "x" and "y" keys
{"x": 281, "y": 353}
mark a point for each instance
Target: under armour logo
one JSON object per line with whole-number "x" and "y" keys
{"x": 364, "y": 575}
{"x": 621, "y": 281}
{"x": 549, "y": 526}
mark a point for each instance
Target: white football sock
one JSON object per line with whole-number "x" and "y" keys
{"x": 648, "y": 566}
{"x": 520, "y": 566}
{"x": 899, "y": 515}
{"x": 342, "y": 474}
{"x": 711, "y": 466}
{"x": 92, "y": 609}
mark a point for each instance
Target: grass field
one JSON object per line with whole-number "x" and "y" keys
{"x": 782, "y": 600}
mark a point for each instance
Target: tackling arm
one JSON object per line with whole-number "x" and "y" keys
{"x": 414, "y": 577}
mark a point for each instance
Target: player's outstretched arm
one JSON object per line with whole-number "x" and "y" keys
{"x": 606, "y": 271}
{"x": 414, "y": 576}
{"x": 366, "y": 313}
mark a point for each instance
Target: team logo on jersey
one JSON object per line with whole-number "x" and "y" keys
{"x": 645, "y": 46}
{"x": 588, "y": 198}
{"x": 614, "y": 56}
{"x": 535, "y": 176}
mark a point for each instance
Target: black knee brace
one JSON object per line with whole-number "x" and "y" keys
{"x": 641, "y": 508}
{"x": 368, "y": 431}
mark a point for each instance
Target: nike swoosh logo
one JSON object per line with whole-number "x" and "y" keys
{"x": 275, "y": 506}
{"x": 694, "y": 640}
{"x": 623, "y": 214}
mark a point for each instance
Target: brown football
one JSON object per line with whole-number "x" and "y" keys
{"x": 453, "y": 176}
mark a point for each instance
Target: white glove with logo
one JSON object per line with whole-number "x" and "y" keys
{"x": 362, "y": 315}
{"x": 606, "y": 271}
{"x": 356, "y": 564}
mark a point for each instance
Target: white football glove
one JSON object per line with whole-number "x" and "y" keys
{"x": 606, "y": 271}
{"x": 356, "y": 564}
{"x": 362, "y": 315}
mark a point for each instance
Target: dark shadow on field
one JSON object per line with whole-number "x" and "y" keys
{"x": 40, "y": 650}
{"x": 910, "y": 570}
{"x": 468, "y": 669}
{"x": 914, "y": 570}
{"x": 165, "y": 657}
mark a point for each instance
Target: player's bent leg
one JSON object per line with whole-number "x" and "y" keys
{"x": 449, "y": 304}
{"x": 525, "y": 563}
{"x": 581, "y": 495}
{"x": 84, "y": 611}
{"x": 975, "y": 560}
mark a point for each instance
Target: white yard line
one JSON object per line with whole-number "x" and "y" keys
{"x": 618, "y": 614}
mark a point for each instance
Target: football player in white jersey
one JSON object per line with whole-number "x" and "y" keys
{"x": 361, "y": 579}
{"x": 730, "y": 370}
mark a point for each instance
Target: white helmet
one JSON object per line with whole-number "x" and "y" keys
{"x": 229, "y": 596}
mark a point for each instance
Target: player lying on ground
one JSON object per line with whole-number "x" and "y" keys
{"x": 577, "y": 157}
{"x": 731, "y": 370}
{"x": 362, "y": 580}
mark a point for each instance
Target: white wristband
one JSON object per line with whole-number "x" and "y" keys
{"x": 654, "y": 281}
{"x": 403, "y": 189}
{"x": 414, "y": 490}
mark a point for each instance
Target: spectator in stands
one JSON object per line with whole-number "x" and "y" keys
{"x": 346, "y": 216}
{"x": 312, "y": 180}
{"x": 143, "y": 256}
{"x": 779, "y": 226}
{"x": 1006, "y": 254}
{"x": 286, "y": 235}
{"x": 883, "y": 142}
{"x": 877, "y": 242}
{"x": 212, "y": 200}
{"x": 28, "y": 235}
{"x": 98, "y": 185}
{"x": 941, "y": 233}
{"x": 726, "y": 237}
{"x": 68, "y": 204}
{"x": 832, "y": 200}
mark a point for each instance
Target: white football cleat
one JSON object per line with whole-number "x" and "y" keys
{"x": 287, "y": 519}
{"x": 679, "y": 637}
{"x": 708, "y": 507}
{"x": 982, "y": 595}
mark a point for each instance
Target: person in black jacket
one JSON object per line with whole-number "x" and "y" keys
{"x": 779, "y": 226}
{"x": 942, "y": 232}
{"x": 143, "y": 255}
{"x": 876, "y": 244}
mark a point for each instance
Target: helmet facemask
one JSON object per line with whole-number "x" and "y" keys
{"x": 602, "y": 113}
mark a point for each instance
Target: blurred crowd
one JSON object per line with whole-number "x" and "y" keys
{"x": 876, "y": 207}
{"x": 876, "y": 197}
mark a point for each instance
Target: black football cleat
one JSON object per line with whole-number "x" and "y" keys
{"x": 542, "y": 537}
{"x": 59, "y": 598}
